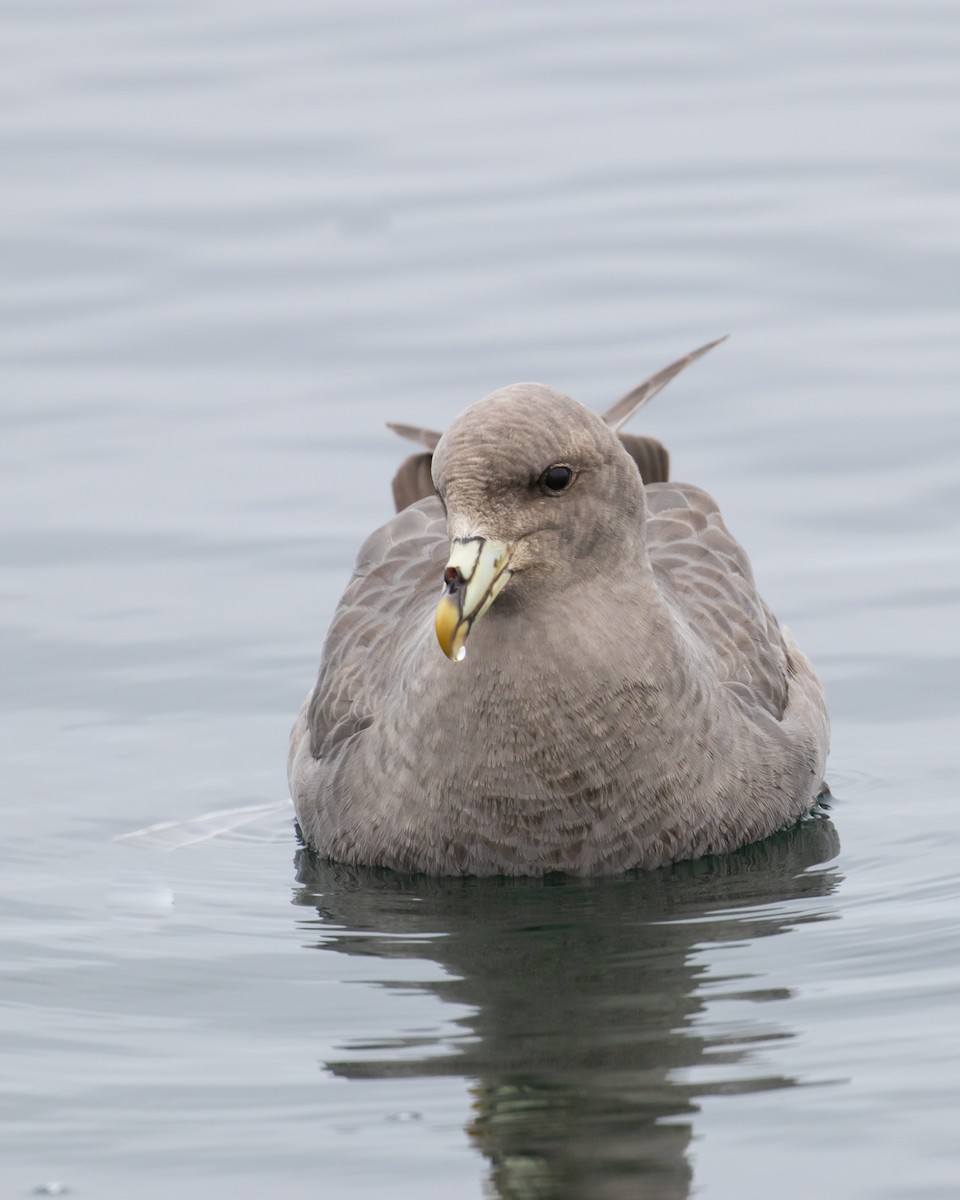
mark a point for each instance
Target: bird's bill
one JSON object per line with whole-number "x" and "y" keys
{"x": 476, "y": 573}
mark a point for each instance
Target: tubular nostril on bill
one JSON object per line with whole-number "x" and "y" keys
{"x": 453, "y": 581}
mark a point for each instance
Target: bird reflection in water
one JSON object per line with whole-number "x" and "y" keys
{"x": 583, "y": 998}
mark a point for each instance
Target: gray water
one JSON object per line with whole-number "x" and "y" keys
{"x": 235, "y": 239}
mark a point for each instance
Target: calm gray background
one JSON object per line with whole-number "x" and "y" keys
{"x": 236, "y": 238}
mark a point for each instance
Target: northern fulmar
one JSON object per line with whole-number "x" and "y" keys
{"x": 600, "y": 686}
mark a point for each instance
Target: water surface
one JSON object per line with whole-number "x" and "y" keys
{"x": 237, "y": 239}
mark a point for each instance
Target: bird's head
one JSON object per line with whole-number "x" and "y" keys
{"x": 539, "y": 495}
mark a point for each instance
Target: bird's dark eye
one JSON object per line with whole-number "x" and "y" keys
{"x": 556, "y": 479}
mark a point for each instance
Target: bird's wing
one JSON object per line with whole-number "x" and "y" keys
{"x": 391, "y": 595}
{"x": 706, "y": 578}
{"x": 651, "y": 457}
{"x": 413, "y": 481}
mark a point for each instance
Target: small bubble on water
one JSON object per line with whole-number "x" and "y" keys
{"x": 51, "y": 1189}
{"x": 406, "y": 1116}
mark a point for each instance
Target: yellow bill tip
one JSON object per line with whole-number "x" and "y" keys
{"x": 451, "y": 630}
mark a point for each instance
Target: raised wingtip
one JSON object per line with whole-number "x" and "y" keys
{"x": 423, "y": 437}
{"x": 620, "y": 412}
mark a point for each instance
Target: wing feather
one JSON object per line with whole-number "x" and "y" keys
{"x": 397, "y": 573}
{"x": 706, "y": 577}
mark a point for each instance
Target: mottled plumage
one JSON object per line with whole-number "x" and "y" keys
{"x": 627, "y": 700}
